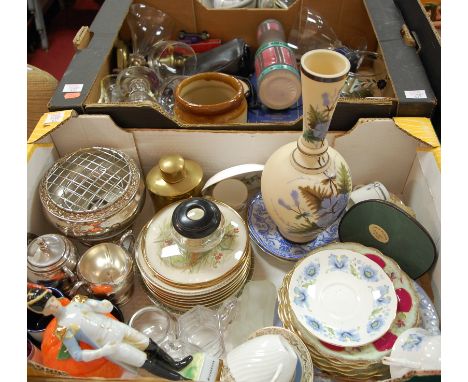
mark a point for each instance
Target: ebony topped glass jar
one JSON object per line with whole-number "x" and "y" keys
{"x": 194, "y": 243}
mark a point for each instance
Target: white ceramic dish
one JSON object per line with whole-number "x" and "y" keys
{"x": 249, "y": 174}
{"x": 304, "y": 366}
{"x": 231, "y": 191}
{"x": 263, "y": 359}
{"x": 342, "y": 297}
{"x": 415, "y": 349}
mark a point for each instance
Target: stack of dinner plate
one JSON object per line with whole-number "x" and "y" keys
{"x": 348, "y": 303}
{"x": 181, "y": 279}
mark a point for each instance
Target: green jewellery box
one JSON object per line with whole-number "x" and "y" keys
{"x": 382, "y": 225}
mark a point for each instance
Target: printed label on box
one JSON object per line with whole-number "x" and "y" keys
{"x": 72, "y": 88}
{"x": 415, "y": 94}
{"x": 54, "y": 117}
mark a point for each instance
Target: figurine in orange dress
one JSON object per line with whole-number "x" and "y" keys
{"x": 85, "y": 320}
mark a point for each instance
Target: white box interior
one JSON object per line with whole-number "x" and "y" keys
{"x": 375, "y": 149}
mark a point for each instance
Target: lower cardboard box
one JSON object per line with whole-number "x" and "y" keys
{"x": 402, "y": 153}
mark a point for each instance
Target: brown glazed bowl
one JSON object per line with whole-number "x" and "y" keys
{"x": 210, "y": 98}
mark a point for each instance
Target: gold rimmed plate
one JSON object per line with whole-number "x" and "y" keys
{"x": 176, "y": 294}
{"x": 149, "y": 275}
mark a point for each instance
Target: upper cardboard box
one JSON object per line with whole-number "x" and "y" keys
{"x": 378, "y": 20}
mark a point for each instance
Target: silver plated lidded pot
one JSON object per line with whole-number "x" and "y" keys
{"x": 51, "y": 261}
{"x": 93, "y": 194}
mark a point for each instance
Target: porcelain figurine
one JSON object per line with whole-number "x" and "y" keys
{"x": 306, "y": 184}
{"x": 85, "y": 319}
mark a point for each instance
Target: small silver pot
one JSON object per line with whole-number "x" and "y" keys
{"x": 93, "y": 194}
{"x": 106, "y": 271}
{"x": 51, "y": 261}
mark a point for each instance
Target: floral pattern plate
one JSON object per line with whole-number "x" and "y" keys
{"x": 265, "y": 234}
{"x": 342, "y": 297}
{"x": 365, "y": 360}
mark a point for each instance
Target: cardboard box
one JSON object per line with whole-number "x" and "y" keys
{"x": 404, "y": 154}
{"x": 379, "y": 21}
{"x": 427, "y": 40}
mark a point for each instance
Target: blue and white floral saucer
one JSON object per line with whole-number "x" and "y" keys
{"x": 342, "y": 297}
{"x": 264, "y": 233}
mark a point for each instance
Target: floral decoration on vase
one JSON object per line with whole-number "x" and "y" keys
{"x": 318, "y": 118}
{"x": 316, "y": 207}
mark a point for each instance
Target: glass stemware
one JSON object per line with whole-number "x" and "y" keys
{"x": 148, "y": 25}
{"x": 138, "y": 83}
{"x": 172, "y": 58}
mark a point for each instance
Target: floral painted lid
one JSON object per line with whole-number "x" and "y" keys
{"x": 181, "y": 262}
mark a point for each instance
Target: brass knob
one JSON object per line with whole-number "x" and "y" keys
{"x": 172, "y": 168}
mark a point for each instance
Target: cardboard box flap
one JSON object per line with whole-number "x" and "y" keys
{"x": 93, "y": 130}
{"x": 49, "y": 122}
{"x": 422, "y": 129}
{"x": 31, "y": 147}
{"x": 404, "y": 66}
{"x": 419, "y": 128}
{"x": 391, "y": 156}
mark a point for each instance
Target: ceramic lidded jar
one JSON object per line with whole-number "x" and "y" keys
{"x": 173, "y": 178}
{"x": 306, "y": 184}
{"x": 210, "y": 98}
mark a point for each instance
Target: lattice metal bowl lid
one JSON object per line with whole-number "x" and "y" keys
{"x": 95, "y": 181}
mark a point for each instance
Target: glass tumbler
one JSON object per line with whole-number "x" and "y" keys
{"x": 369, "y": 80}
{"x": 166, "y": 93}
{"x": 155, "y": 323}
{"x": 200, "y": 327}
{"x": 110, "y": 92}
{"x": 138, "y": 83}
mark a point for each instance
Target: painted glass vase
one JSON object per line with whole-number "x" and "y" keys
{"x": 306, "y": 184}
